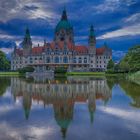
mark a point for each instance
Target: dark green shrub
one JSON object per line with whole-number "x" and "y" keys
{"x": 25, "y": 69}
{"x": 60, "y": 70}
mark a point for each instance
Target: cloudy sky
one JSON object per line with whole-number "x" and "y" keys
{"x": 116, "y": 22}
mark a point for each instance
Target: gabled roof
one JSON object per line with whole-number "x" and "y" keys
{"x": 81, "y": 49}
{"x": 100, "y": 51}
{"x": 38, "y": 50}
{"x": 61, "y": 46}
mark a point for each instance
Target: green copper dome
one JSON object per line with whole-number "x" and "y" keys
{"x": 63, "y": 23}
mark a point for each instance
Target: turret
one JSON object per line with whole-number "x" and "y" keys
{"x": 15, "y": 50}
{"x": 27, "y": 43}
{"x": 27, "y": 101}
{"x": 92, "y": 41}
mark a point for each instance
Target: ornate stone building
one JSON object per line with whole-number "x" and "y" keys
{"x": 62, "y": 52}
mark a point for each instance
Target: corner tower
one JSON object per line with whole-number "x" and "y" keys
{"x": 64, "y": 30}
{"x": 92, "y": 49}
{"x": 92, "y": 40}
{"x": 27, "y": 43}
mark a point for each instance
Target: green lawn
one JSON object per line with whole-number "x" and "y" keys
{"x": 92, "y": 74}
{"x": 85, "y": 73}
{"x": 9, "y": 73}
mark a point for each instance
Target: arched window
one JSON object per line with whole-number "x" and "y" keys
{"x": 56, "y": 59}
{"x": 48, "y": 60}
{"x": 65, "y": 59}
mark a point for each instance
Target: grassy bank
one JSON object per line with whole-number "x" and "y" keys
{"x": 134, "y": 77}
{"x": 93, "y": 74}
{"x": 9, "y": 73}
{"x": 67, "y": 74}
{"x": 85, "y": 73}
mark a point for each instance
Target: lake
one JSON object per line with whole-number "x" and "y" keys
{"x": 70, "y": 108}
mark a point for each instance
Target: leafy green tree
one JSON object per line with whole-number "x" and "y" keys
{"x": 131, "y": 61}
{"x": 4, "y": 63}
{"x": 110, "y": 64}
{"x": 116, "y": 67}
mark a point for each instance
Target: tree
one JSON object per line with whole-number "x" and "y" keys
{"x": 26, "y": 69}
{"x": 116, "y": 67}
{"x": 4, "y": 63}
{"x": 131, "y": 61}
{"x": 110, "y": 64}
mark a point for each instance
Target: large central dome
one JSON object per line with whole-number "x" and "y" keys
{"x": 63, "y": 23}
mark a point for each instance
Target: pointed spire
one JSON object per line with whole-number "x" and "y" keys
{"x": 91, "y": 111}
{"x": 15, "y": 48}
{"x": 45, "y": 42}
{"x": 105, "y": 44}
{"x": 64, "y": 14}
{"x": 64, "y": 131}
{"x": 91, "y": 116}
{"x": 27, "y": 33}
{"x": 91, "y": 31}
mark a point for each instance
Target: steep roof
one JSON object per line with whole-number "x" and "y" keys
{"x": 81, "y": 49}
{"x": 100, "y": 51}
{"x": 37, "y": 50}
{"x": 61, "y": 46}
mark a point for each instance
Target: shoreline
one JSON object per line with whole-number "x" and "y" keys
{"x": 94, "y": 74}
{"x": 8, "y": 74}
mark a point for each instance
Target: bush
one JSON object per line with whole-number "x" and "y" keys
{"x": 110, "y": 71}
{"x": 110, "y": 64}
{"x": 25, "y": 69}
{"x": 61, "y": 70}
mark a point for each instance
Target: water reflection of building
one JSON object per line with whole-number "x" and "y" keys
{"x": 62, "y": 95}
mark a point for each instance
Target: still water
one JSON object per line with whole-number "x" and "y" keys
{"x": 72, "y": 108}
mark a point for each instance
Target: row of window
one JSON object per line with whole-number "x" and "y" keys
{"x": 100, "y": 62}
{"x": 56, "y": 60}
{"x": 100, "y": 66}
{"x": 105, "y": 57}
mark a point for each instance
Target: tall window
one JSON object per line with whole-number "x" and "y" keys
{"x": 80, "y": 60}
{"x": 48, "y": 60}
{"x": 85, "y": 60}
{"x": 56, "y": 59}
{"x": 74, "y": 60}
{"x": 65, "y": 59}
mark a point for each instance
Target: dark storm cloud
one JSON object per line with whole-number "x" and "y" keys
{"x": 117, "y": 20}
{"x": 32, "y": 7}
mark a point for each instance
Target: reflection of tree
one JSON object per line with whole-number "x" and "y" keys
{"x": 111, "y": 81}
{"x": 4, "y": 83}
{"x": 133, "y": 90}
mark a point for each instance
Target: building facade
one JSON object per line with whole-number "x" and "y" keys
{"x": 62, "y": 52}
